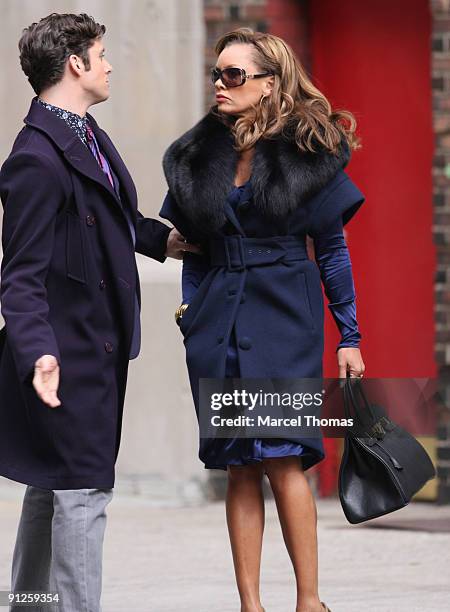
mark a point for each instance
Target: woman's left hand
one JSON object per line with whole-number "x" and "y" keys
{"x": 350, "y": 360}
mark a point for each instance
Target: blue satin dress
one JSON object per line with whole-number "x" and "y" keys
{"x": 333, "y": 259}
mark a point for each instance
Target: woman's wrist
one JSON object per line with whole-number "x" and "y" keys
{"x": 341, "y": 346}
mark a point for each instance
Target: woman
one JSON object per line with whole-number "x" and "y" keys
{"x": 263, "y": 169}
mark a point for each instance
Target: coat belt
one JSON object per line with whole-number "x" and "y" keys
{"x": 237, "y": 253}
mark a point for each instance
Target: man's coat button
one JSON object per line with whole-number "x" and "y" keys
{"x": 109, "y": 347}
{"x": 102, "y": 284}
{"x": 90, "y": 220}
{"x": 245, "y": 343}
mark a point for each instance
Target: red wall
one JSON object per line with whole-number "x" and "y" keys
{"x": 289, "y": 19}
{"x": 373, "y": 58}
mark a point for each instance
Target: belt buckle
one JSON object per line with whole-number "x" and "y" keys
{"x": 240, "y": 250}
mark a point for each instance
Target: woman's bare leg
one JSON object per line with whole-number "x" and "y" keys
{"x": 245, "y": 520}
{"x": 298, "y": 518}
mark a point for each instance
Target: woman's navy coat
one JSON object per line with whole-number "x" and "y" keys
{"x": 260, "y": 279}
{"x": 68, "y": 286}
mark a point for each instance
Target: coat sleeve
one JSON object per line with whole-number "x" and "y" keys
{"x": 151, "y": 237}
{"x": 32, "y": 196}
{"x": 195, "y": 266}
{"x": 340, "y": 198}
{"x": 172, "y": 212}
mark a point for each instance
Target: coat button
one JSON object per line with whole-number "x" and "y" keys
{"x": 102, "y": 284}
{"x": 90, "y": 220}
{"x": 220, "y": 339}
{"x": 109, "y": 347}
{"x": 245, "y": 343}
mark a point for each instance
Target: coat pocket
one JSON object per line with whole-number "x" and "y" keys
{"x": 306, "y": 299}
{"x": 191, "y": 315}
{"x": 75, "y": 247}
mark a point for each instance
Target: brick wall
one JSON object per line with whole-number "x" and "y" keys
{"x": 222, "y": 16}
{"x": 285, "y": 18}
{"x": 440, "y": 62}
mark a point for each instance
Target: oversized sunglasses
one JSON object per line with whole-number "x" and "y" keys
{"x": 234, "y": 77}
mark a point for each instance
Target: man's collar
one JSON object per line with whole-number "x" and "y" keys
{"x": 73, "y": 120}
{"x": 60, "y": 110}
{"x": 60, "y": 133}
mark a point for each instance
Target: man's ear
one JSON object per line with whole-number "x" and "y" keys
{"x": 76, "y": 64}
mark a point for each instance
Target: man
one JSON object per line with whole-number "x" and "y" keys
{"x": 70, "y": 298}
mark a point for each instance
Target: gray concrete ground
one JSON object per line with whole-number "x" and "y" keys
{"x": 177, "y": 559}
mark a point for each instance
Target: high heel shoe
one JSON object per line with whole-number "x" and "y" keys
{"x": 325, "y": 607}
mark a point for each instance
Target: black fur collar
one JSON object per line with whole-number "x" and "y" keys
{"x": 200, "y": 168}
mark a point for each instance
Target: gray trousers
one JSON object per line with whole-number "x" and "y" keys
{"x": 59, "y": 547}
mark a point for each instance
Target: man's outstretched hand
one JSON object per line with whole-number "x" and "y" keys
{"x": 46, "y": 380}
{"x": 176, "y": 245}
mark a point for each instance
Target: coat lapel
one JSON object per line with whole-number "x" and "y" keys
{"x": 82, "y": 160}
{"x": 200, "y": 167}
{"x": 232, "y": 218}
{"x": 128, "y": 189}
{"x": 75, "y": 152}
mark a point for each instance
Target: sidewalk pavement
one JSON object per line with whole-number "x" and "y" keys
{"x": 177, "y": 559}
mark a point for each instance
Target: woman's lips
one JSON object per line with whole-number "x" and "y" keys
{"x": 221, "y": 98}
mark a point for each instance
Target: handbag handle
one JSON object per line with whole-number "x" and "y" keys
{"x": 349, "y": 403}
{"x": 357, "y": 385}
{"x": 350, "y": 400}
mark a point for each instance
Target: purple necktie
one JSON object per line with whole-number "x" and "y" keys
{"x": 92, "y": 144}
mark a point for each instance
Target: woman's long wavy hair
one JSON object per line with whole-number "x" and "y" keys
{"x": 295, "y": 105}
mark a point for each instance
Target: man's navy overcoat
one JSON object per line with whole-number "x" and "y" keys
{"x": 68, "y": 286}
{"x": 260, "y": 280}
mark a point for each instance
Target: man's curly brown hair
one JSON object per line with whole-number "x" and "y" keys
{"x": 46, "y": 46}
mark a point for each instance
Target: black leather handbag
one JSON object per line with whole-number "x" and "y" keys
{"x": 383, "y": 465}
